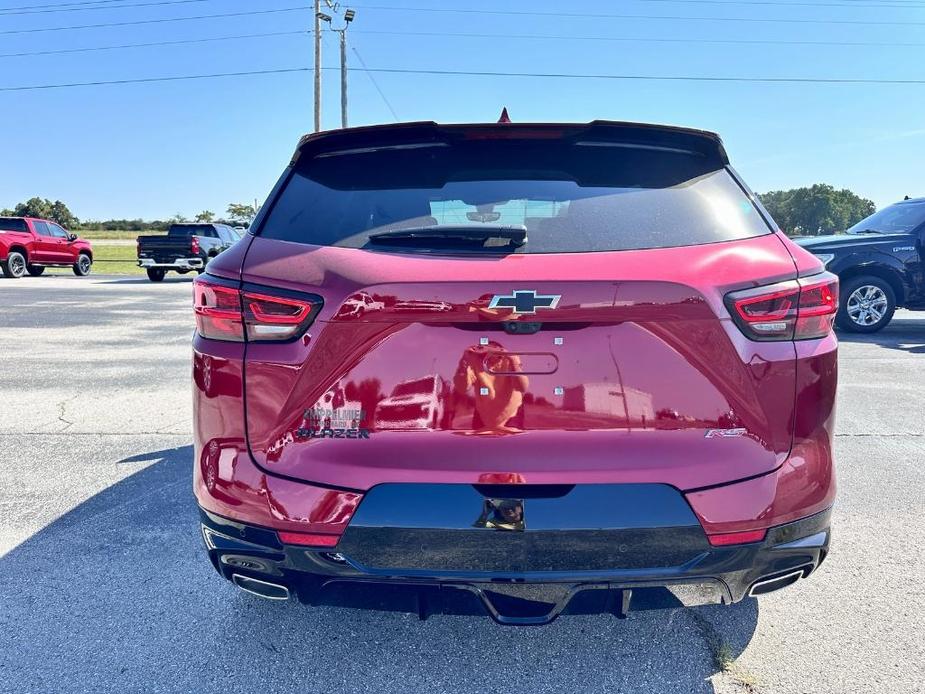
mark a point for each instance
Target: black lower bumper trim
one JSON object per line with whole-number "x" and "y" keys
{"x": 718, "y": 575}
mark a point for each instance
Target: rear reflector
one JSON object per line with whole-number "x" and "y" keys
{"x": 801, "y": 309}
{"x": 225, "y": 312}
{"x": 308, "y": 539}
{"x": 742, "y": 538}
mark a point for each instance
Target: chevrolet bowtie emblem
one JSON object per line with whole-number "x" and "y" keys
{"x": 524, "y": 301}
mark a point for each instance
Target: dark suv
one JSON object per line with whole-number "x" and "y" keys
{"x": 880, "y": 262}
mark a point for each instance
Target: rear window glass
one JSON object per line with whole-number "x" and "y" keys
{"x": 191, "y": 230}
{"x": 568, "y": 197}
{"x": 13, "y": 224}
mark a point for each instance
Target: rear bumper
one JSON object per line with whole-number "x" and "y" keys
{"x": 561, "y": 572}
{"x": 178, "y": 264}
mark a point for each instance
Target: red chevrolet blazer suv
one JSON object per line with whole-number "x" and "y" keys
{"x": 521, "y": 369}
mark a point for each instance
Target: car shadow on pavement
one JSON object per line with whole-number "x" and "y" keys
{"x": 906, "y": 335}
{"x": 118, "y": 595}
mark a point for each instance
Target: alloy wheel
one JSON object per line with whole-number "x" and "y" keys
{"x": 17, "y": 265}
{"x": 867, "y": 305}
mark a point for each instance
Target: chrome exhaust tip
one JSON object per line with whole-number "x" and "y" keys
{"x": 263, "y": 589}
{"x": 768, "y": 585}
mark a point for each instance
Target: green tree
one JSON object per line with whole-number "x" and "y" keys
{"x": 178, "y": 219}
{"x": 815, "y": 210}
{"x": 42, "y": 208}
{"x": 242, "y": 213}
{"x": 205, "y": 216}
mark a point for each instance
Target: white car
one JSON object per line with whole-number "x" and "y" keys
{"x": 414, "y": 404}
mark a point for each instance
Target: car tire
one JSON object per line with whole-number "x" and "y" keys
{"x": 83, "y": 265}
{"x": 866, "y": 304}
{"x": 14, "y": 266}
{"x": 35, "y": 270}
{"x": 156, "y": 274}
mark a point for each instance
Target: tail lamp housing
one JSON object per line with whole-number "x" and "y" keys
{"x": 194, "y": 245}
{"x": 801, "y": 309}
{"x": 228, "y": 311}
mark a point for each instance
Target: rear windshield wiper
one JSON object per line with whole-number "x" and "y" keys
{"x": 514, "y": 235}
{"x": 867, "y": 231}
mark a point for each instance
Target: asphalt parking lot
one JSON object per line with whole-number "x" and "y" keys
{"x": 104, "y": 585}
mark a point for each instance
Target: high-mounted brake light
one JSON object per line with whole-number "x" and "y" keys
{"x": 801, "y": 309}
{"x": 224, "y": 312}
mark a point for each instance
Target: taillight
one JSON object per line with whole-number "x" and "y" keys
{"x": 218, "y": 311}
{"x": 137, "y": 248}
{"x": 225, "y": 312}
{"x": 818, "y": 306}
{"x": 194, "y": 244}
{"x": 800, "y": 309}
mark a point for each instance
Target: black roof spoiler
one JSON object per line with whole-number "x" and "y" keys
{"x": 599, "y": 132}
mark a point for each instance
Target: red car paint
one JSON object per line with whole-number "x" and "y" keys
{"x": 41, "y": 248}
{"x": 647, "y": 330}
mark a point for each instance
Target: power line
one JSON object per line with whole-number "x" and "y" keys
{"x": 544, "y": 37}
{"x": 484, "y": 73}
{"x": 10, "y": 13}
{"x": 636, "y": 39}
{"x": 65, "y": 4}
{"x": 664, "y": 78}
{"x": 141, "y": 80}
{"x": 758, "y": 3}
{"x": 155, "y": 21}
{"x": 607, "y": 15}
{"x": 152, "y": 44}
{"x": 375, "y": 83}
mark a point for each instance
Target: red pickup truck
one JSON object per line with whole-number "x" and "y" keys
{"x": 30, "y": 245}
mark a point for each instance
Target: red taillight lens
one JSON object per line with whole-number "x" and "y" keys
{"x": 795, "y": 310}
{"x": 218, "y": 311}
{"x": 224, "y": 312}
{"x": 724, "y": 539}
{"x": 308, "y": 539}
{"x": 768, "y": 315}
{"x": 194, "y": 244}
{"x": 818, "y": 306}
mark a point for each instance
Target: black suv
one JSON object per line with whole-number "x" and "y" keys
{"x": 881, "y": 264}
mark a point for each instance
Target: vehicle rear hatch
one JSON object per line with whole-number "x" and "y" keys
{"x": 175, "y": 245}
{"x": 596, "y": 350}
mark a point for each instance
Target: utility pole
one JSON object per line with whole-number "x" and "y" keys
{"x": 349, "y": 16}
{"x": 343, "y": 78}
{"x": 317, "y": 65}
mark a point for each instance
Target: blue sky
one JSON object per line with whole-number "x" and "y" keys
{"x": 153, "y": 150}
